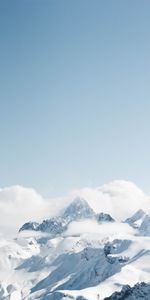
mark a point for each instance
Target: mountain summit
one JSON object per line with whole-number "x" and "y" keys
{"x": 78, "y": 209}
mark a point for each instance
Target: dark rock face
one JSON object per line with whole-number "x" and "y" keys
{"x": 139, "y": 291}
{"x": 116, "y": 246}
{"x": 80, "y": 298}
{"x": 102, "y": 217}
{"x": 77, "y": 210}
{"x": 141, "y": 221}
{"x": 137, "y": 216}
{"x": 56, "y": 296}
{"x": 59, "y": 296}
{"x": 145, "y": 226}
{"x": 30, "y": 226}
{"x": 54, "y": 226}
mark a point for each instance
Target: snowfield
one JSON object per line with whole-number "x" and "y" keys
{"x": 96, "y": 247}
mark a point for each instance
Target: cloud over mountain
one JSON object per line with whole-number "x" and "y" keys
{"x": 19, "y": 204}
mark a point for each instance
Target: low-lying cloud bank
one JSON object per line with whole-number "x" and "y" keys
{"x": 19, "y": 205}
{"x": 106, "y": 229}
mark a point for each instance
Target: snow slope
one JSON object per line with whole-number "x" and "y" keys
{"x": 88, "y": 251}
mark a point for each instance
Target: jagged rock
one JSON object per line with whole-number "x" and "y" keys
{"x": 116, "y": 246}
{"x": 77, "y": 210}
{"x": 30, "y": 226}
{"x": 139, "y": 291}
{"x": 102, "y": 217}
{"x": 145, "y": 226}
{"x": 136, "y": 219}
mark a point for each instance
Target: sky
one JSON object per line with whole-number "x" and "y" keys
{"x": 74, "y": 93}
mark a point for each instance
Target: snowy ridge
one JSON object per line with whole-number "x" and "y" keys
{"x": 136, "y": 219}
{"x": 77, "y": 210}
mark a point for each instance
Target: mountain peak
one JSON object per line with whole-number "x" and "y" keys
{"x": 78, "y": 209}
{"x": 136, "y": 219}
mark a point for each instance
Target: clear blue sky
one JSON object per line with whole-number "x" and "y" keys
{"x": 74, "y": 93}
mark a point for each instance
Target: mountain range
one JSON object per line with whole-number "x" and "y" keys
{"x": 95, "y": 248}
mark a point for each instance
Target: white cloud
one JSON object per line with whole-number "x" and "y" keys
{"x": 19, "y": 205}
{"x": 105, "y": 229}
{"x": 119, "y": 198}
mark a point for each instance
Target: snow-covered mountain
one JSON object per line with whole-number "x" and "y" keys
{"x": 79, "y": 209}
{"x": 89, "y": 250}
